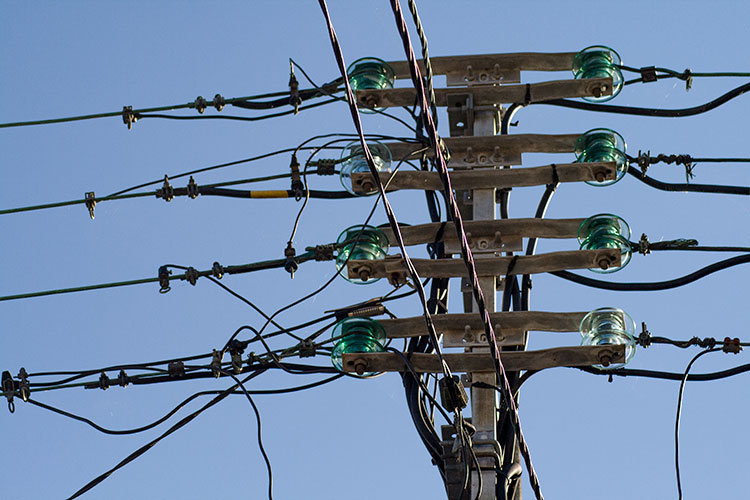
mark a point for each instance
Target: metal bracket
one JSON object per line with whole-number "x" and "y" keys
{"x": 461, "y": 114}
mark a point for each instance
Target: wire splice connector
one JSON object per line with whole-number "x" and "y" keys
{"x": 9, "y": 390}
{"x": 219, "y": 102}
{"x": 290, "y": 265}
{"x": 200, "y": 104}
{"x": 191, "y": 275}
{"x": 23, "y": 384}
{"x": 294, "y": 97}
{"x": 91, "y": 203}
{"x": 192, "y": 188}
{"x": 166, "y": 192}
{"x": 128, "y": 116}
{"x": 298, "y": 188}
{"x": 731, "y": 345}
{"x": 216, "y": 363}
{"x": 163, "y": 275}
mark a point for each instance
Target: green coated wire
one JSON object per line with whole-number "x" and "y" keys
{"x": 73, "y": 202}
{"x": 256, "y": 266}
{"x": 134, "y": 111}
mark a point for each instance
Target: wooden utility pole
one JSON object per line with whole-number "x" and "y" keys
{"x": 473, "y": 100}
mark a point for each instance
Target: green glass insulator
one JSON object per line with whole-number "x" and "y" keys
{"x": 599, "y": 61}
{"x": 356, "y": 335}
{"x": 354, "y": 161}
{"x": 609, "y": 326}
{"x": 360, "y": 243}
{"x": 370, "y": 73}
{"x": 602, "y": 145}
{"x": 606, "y": 231}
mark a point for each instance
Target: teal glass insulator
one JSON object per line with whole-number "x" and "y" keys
{"x": 356, "y": 335}
{"x": 360, "y": 243}
{"x": 370, "y": 73}
{"x": 599, "y": 61}
{"x": 602, "y": 144}
{"x": 606, "y": 231}
{"x": 609, "y": 326}
{"x": 354, "y": 161}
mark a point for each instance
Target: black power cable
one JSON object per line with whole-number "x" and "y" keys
{"x": 693, "y": 188}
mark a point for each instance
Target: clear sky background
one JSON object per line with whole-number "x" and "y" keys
{"x": 589, "y": 439}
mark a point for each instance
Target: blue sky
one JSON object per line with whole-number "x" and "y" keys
{"x": 589, "y": 439}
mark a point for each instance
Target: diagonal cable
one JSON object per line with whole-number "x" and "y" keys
{"x": 465, "y": 252}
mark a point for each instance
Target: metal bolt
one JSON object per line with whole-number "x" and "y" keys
{"x": 603, "y": 263}
{"x": 605, "y": 360}
{"x": 482, "y": 158}
{"x": 360, "y": 366}
{"x": 483, "y": 244}
{"x": 367, "y": 186}
{"x": 371, "y": 101}
{"x": 364, "y": 274}
{"x": 600, "y": 176}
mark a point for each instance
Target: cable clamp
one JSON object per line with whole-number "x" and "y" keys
{"x": 307, "y": 348}
{"x": 104, "y": 381}
{"x": 688, "y": 77}
{"x": 644, "y": 160}
{"x": 23, "y": 385}
{"x": 235, "y": 352}
{"x": 644, "y": 338}
{"x": 644, "y": 245}
{"x": 217, "y": 271}
{"x": 191, "y": 275}
{"x": 294, "y": 98}
{"x": 452, "y": 393}
{"x": 128, "y": 116}
{"x": 216, "y": 363}
{"x": 90, "y": 203}
{"x": 648, "y": 74}
{"x": 200, "y": 104}
{"x": 122, "y": 379}
{"x": 164, "y": 273}
{"x": 9, "y": 390}
{"x": 290, "y": 265}
{"x": 326, "y": 167}
{"x": 298, "y": 188}
{"x": 219, "y": 102}
{"x": 166, "y": 192}
{"x": 176, "y": 369}
{"x": 192, "y": 188}
{"x": 731, "y": 345}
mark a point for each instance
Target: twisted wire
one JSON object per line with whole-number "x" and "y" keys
{"x": 465, "y": 252}
{"x": 425, "y": 57}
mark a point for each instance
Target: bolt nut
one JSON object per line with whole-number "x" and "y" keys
{"x": 371, "y": 101}
{"x": 600, "y": 175}
{"x": 360, "y": 366}
{"x": 364, "y": 274}
{"x": 605, "y": 360}
{"x": 367, "y": 186}
{"x": 603, "y": 263}
{"x": 483, "y": 244}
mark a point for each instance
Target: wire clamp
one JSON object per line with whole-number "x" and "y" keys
{"x": 452, "y": 393}
{"x": 191, "y": 275}
{"x": 644, "y": 245}
{"x": 128, "y": 116}
{"x": 688, "y": 77}
{"x": 200, "y": 104}
{"x": 235, "y": 352}
{"x": 644, "y": 338}
{"x": 216, "y": 363}
{"x": 104, "y": 381}
{"x": 166, "y": 192}
{"x": 298, "y": 188}
{"x": 307, "y": 348}
{"x": 290, "y": 265}
{"x": 9, "y": 390}
{"x": 122, "y": 379}
{"x": 219, "y": 102}
{"x": 294, "y": 98}
{"x": 731, "y": 345}
{"x": 176, "y": 369}
{"x": 644, "y": 160}
{"x": 23, "y": 385}
{"x": 164, "y": 273}
{"x": 326, "y": 167}
{"x": 217, "y": 271}
{"x": 90, "y": 203}
{"x": 192, "y": 188}
{"x": 648, "y": 74}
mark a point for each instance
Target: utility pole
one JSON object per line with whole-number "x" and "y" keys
{"x": 473, "y": 102}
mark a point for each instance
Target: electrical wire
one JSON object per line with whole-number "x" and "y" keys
{"x": 657, "y": 285}
{"x": 465, "y": 251}
{"x": 657, "y": 112}
{"x": 140, "y": 116}
{"x": 677, "y": 419}
{"x": 693, "y": 188}
{"x": 143, "y": 449}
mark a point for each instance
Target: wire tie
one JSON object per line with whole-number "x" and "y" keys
{"x": 200, "y": 104}
{"x": 192, "y": 188}
{"x": 91, "y": 203}
{"x": 128, "y": 116}
{"x": 219, "y": 102}
{"x": 164, "y": 273}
